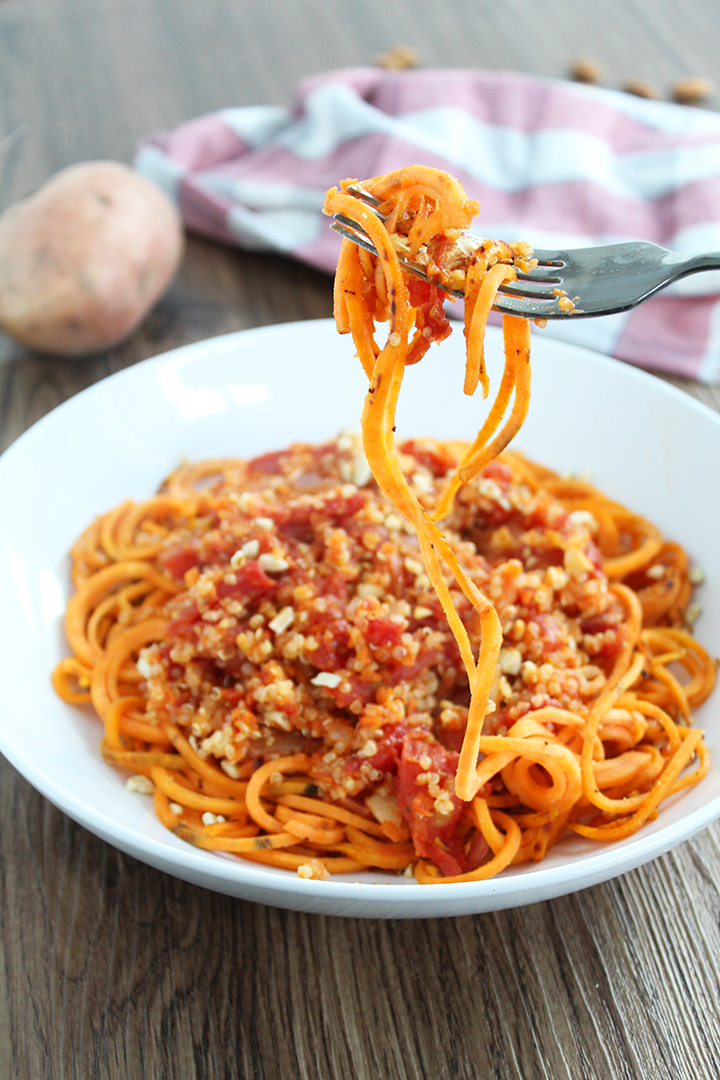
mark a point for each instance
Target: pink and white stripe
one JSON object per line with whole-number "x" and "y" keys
{"x": 555, "y": 163}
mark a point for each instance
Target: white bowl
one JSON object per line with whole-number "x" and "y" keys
{"x": 645, "y": 444}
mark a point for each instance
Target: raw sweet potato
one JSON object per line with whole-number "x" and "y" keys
{"x": 84, "y": 259}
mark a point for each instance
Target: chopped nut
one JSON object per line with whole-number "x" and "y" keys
{"x": 584, "y": 517}
{"x": 510, "y": 661}
{"x": 576, "y": 562}
{"x": 586, "y": 71}
{"x": 656, "y": 571}
{"x": 422, "y": 482}
{"x": 505, "y": 688}
{"x": 421, "y": 612}
{"x": 327, "y": 678}
{"x": 313, "y": 870}
{"x": 361, "y": 471}
{"x": 278, "y": 719}
{"x": 398, "y": 58}
{"x": 141, "y": 785}
{"x": 557, "y": 578}
{"x": 693, "y": 90}
{"x": 198, "y": 749}
{"x": 143, "y": 666}
{"x": 272, "y": 564}
{"x": 640, "y": 88}
{"x": 284, "y": 618}
{"x": 366, "y": 589}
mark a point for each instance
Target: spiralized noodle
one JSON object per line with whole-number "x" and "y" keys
{"x": 351, "y": 745}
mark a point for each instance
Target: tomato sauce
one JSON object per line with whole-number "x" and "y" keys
{"x": 307, "y": 622}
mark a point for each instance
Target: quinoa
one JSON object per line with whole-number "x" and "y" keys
{"x": 307, "y": 621}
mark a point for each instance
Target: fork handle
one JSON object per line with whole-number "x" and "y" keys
{"x": 682, "y": 265}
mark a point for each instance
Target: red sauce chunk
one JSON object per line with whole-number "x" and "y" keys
{"x": 426, "y": 786}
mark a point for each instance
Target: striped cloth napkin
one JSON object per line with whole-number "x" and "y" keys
{"x": 555, "y": 163}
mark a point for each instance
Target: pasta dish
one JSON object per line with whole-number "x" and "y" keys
{"x": 431, "y": 658}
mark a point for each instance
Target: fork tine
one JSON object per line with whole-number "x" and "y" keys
{"x": 350, "y": 231}
{"x": 531, "y": 288}
{"x": 352, "y": 226}
{"x": 364, "y": 196}
{"x": 541, "y": 275}
{"x": 550, "y": 258}
{"x": 528, "y": 308}
{"x": 531, "y": 295}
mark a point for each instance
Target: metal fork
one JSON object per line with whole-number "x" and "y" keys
{"x": 600, "y": 280}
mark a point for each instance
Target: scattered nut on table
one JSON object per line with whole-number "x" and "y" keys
{"x": 586, "y": 71}
{"x": 641, "y": 88}
{"x": 693, "y": 90}
{"x": 397, "y": 58}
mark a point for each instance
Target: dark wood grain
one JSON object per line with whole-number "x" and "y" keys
{"x": 112, "y": 969}
{"x": 109, "y": 969}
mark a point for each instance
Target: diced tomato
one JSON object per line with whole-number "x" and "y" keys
{"x": 333, "y": 586}
{"x": 450, "y": 738}
{"x": 433, "y": 835}
{"x": 298, "y": 532}
{"x": 338, "y": 506}
{"x": 251, "y": 583}
{"x": 217, "y": 548}
{"x": 477, "y": 852}
{"x": 594, "y": 555}
{"x": 548, "y": 515}
{"x": 497, "y": 470}
{"x": 383, "y": 633}
{"x": 183, "y": 626}
{"x": 597, "y": 624}
{"x": 333, "y": 646}
{"x": 600, "y": 624}
{"x": 436, "y": 457}
{"x": 430, "y": 315}
{"x": 178, "y": 560}
{"x": 551, "y": 633}
{"x": 420, "y": 291}
{"x": 267, "y": 464}
{"x": 389, "y": 748}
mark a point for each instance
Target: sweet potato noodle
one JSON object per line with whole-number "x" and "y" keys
{"x": 306, "y": 671}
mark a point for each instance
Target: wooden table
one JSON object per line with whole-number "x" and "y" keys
{"x": 111, "y": 969}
